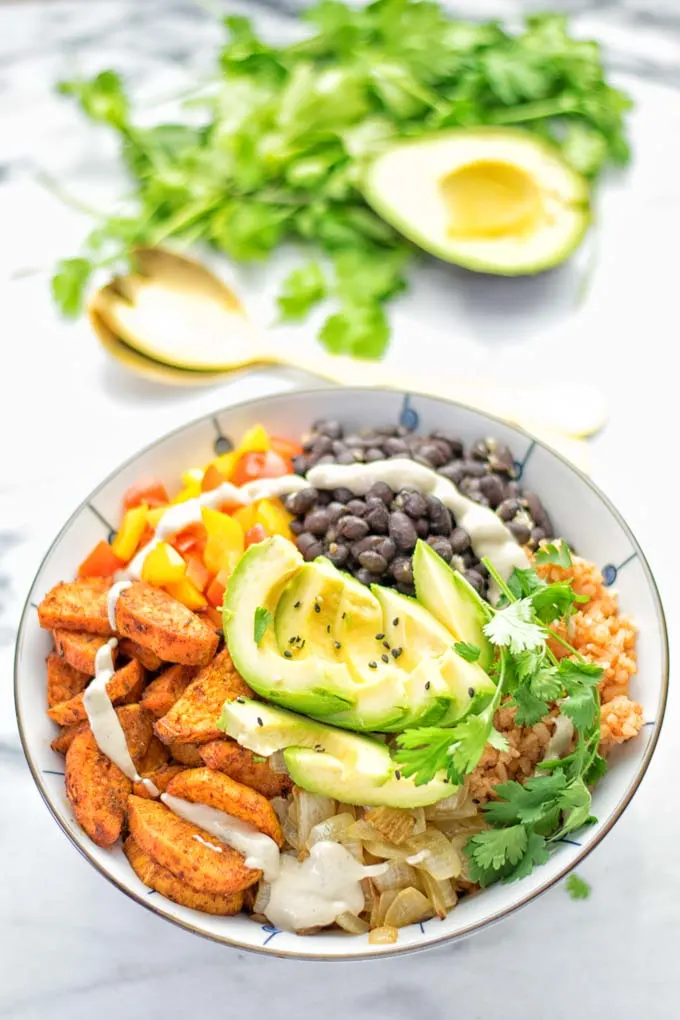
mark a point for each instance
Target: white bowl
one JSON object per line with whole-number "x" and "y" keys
{"x": 581, "y": 513}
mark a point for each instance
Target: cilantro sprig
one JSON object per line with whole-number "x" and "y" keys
{"x": 287, "y": 131}
{"x": 527, "y": 819}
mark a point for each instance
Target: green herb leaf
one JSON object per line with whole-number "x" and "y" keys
{"x": 263, "y": 619}
{"x": 559, "y": 554}
{"x": 358, "y": 330}
{"x": 530, "y": 708}
{"x": 577, "y": 887}
{"x": 467, "y": 650}
{"x": 302, "y": 289}
{"x": 513, "y": 627}
{"x": 493, "y": 853}
{"x": 69, "y": 283}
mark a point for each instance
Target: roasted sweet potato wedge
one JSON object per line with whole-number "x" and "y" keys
{"x": 193, "y": 718}
{"x": 186, "y": 754}
{"x": 96, "y": 788}
{"x": 164, "y": 691}
{"x": 205, "y": 786}
{"x": 242, "y": 765}
{"x": 64, "y": 738}
{"x": 63, "y": 681}
{"x": 154, "y": 620}
{"x": 77, "y": 605}
{"x": 80, "y": 649}
{"x": 132, "y": 650}
{"x": 124, "y": 681}
{"x": 160, "y": 778}
{"x": 138, "y": 726}
{"x": 156, "y": 755}
{"x": 165, "y": 883}
{"x": 170, "y": 841}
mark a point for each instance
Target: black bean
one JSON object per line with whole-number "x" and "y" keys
{"x": 342, "y": 495}
{"x": 305, "y": 540}
{"x": 406, "y": 589}
{"x": 301, "y": 502}
{"x": 402, "y": 530}
{"x": 538, "y": 512}
{"x": 328, "y": 427}
{"x": 471, "y": 487}
{"x": 331, "y": 535}
{"x": 460, "y": 540}
{"x": 324, "y": 498}
{"x": 317, "y": 521}
{"x": 363, "y": 544}
{"x": 513, "y": 490}
{"x": 395, "y": 447}
{"x": 300, "y": 464}
{"x": 339, "y": 446}
{"x": 480, "y": 449}
{"x": 358, "y": 454}
{"x": 373, "y": 453}
{"x": 455, "y": 471}
{"x": 520, "y": 531}
{"x": 297, "y": 527}
{"x": 327, "y": 458}
{"x": 322, "y": 445}
{"x": 386, "y": 548}
{"x": 381, "y": 491}
{"x": 338, "y": 554}
{"x": 493, "y": 488}
{"x": 377, "y": 518}
{"x": 335, "y": 511}
{"x": 442, "y": 524}
{"x": 441, "y": 546}
{"x": 474, "y": 468}
{"x": 537, "y": 535}
{"x": 365, "y": 576}
{"x": 422, "y": 527}
{"x": 501, "y": 459}
{"x": 402, "y": 570}
{"x": 357, "y": 507}
{"x": 373, "y": 561}
{"x": 433, "y": 454}
{"x": 346, "y": 457}
{"x": 508, "y": 509}
{"x": 449, "y": 437}
{"x": 411, "y": 502}
{"x": 311, "y": 550}
{"x": 475, "y": 579}
{"x": 352, "y": 527}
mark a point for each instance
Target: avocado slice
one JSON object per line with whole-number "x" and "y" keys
{"x": 306, "y": 612}
{"x": 451, "y": 600}
{"x": 314, "y": 686}
{"x": 492, "y": 199}
{"x": 328, "y": 776}
{"x": 265, "y": 729}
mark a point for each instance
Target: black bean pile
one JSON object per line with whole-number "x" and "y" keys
{"x": 373, "y": 537}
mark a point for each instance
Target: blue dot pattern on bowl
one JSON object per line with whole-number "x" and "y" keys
{"x": 271, "y": 931}
{"x": 408, "y": 417}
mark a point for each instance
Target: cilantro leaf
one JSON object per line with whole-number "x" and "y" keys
{"x": 69, "y": 283}
{"x": 302, "y": 289}
{"x": 535, "y": 853}
{"x": 102, "y": 99}
{"x": 523, "y": 583}
{"x": 263, "y": 619}
{"x": 559, "y": 554}
{"x": 596, "y": 770}
{"x": 581, "y": 708}
{"x": 493, "y": 853}
{"x": 577, "y": 887}
{"x": 575, "y": 801}
{"x": 514, "y": 628}
{"x": 528, "y": 802}
{"x": 572, "y": 672}
{"x": 556, "y": 600}
{"x": 467, "y": 650}
{"x": 530, "y": 708}
{"x": 358, "y": 330}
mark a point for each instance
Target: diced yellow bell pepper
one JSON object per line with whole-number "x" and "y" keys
{"x": 163, "y": 565}
{"x": 154, "y": 514}
{"x": 187, "y": 593}
{"x": 255, "y": 440}
{"x": 225, "y": 463}
{"x": 245, "y": 517}
{"x": 274, "y": 517}
{"x": 191, "y": 480}
{"x": 126, "y": 541}
{"x": 224, "y": 545}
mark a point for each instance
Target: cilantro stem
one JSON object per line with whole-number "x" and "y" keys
{"x": 498, "y": 579}
{"x": 565, "y": 644}
{"x": 535, "y": 111}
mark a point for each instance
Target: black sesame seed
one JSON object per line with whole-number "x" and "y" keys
{"x": 379, "y": 637}
{"x": 328, "y": 628}
{"x": 386, "y": 645}
{"x": 373, "y": 665}
{"x": 318, "y": 747}
{"x": 344, "y": 615}
{"x": 396, "y": 652}
{"x": 317, "y": 607}
{"x": 385, "y": 658}
{"x": 292, "y": 640}
{"x": 471, "y": 692}
{"x": 397, "y": 774}
{"x": 427, "y": 685}
{"x": 336, "y": 644}
{"x": 288, "y": 653}
{"x": 297, "y": 605}
{"x": 259, "y": 721}
{"x": 241, "y": 701}
{"x": 395, "y": 621}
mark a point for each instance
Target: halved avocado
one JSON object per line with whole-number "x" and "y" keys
{"x": 307, "y": 610}
{"x": 451, "y": 600}
{"x": 330, "y": 777}
{"x": 494, "y": 200}
{"x": 265, "y": 729}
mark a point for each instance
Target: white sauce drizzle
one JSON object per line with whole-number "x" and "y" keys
{"x": 302, "y": 894}
{"x": 182, "y": 515}
{"x": 211, "y": 846}
{"x": 104, "y": 722}
{"x": 419, "y": 857}
{"x": 112, "y": 600}
{"x": 489, "y": 537}
{"x": 558, "y": 745}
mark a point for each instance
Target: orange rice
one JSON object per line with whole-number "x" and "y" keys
{"x": 602, "y": 636}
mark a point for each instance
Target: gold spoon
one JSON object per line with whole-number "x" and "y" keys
{"x": 175, "y": 321}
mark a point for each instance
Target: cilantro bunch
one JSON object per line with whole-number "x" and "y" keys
{"x": 288, "y": 130}
{"x": 528, "y": 818}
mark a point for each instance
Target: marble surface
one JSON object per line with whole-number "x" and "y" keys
{"x": 72, "y": 945}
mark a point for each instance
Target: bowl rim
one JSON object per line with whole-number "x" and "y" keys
{"x": 427, "y": 943}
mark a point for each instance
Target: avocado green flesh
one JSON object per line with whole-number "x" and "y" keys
{"x": 327, "y": 776}
{"x": 451, "y": 600}
{"x": 306, "y": 604}
{"x": 265, "y": 729}
{"x": 405, "y": 185}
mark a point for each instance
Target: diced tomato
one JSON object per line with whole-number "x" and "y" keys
{"x": 215, "y": 590}
{"x": 256, "y": 534}
{"x": 152, "y": 492}
{"x": 191, "y": 540}
{"x": 212, "y": 479}
{"x": 102, "y": 562}
{"x": 198, "y": 573}
{"x": 259, "y": 465}
{"x": 286, "y": 448}
{"x": 213, "y": 616}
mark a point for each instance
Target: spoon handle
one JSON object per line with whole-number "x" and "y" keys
{"x": 576, "y": 410}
